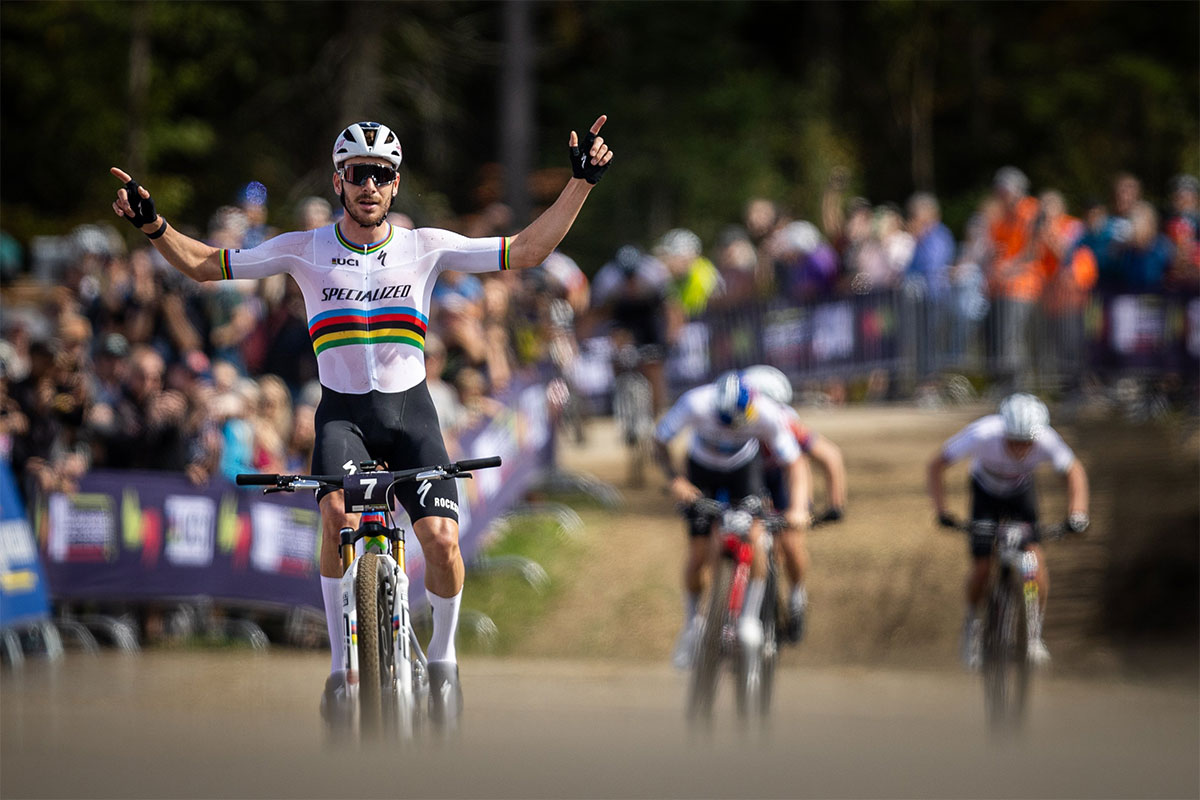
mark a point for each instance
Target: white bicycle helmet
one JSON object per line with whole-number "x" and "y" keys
{"x": 679, "y": 242}
{"x": 770, "y": 381}
{"x": 369, "y": 139}
{"x": 1025, "y": 417}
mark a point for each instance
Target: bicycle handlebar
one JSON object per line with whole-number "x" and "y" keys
{"x": 454, "y": 469}
{"x": 708, "y": 507}
{"x": 256, "y": 480}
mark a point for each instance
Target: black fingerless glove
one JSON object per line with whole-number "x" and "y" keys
{"x": 143, "y": 207}
{"x": 948, "y": 521}
{"x": 581, "y": 160}
{"x": 833, "y": 514}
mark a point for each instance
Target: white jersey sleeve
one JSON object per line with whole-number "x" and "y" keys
{"x": 773, "y": 429}
{"x": 286, "y": 252}
{"x": 1055, "y": 450}
{"x": 685, "y": 413}
{"x": 456, "y": 252}
{"x": 966, "y": 442}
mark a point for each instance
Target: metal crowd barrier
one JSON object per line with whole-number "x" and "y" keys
{"x": 1053, "y": 343}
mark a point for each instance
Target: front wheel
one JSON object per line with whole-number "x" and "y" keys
{"x": 706, "y": 666}
{"x": 1005, "y": 663}
{"x": 375, "y": 650}
{"x": 770, "y": 646}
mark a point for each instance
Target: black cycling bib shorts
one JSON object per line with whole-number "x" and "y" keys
{"x": 398, "y": 428}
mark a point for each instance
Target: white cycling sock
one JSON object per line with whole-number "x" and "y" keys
{"x": 445, "y": 625}
{"x": 799, "y": 598}
{"x": 331, "y": 592}
{"x": 754, "y": 598}
{"x": 690, "y": 602}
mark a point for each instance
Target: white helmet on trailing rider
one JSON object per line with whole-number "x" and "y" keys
{"x": 679, "y": 242}
{"x": 735, "y": 399}
{"x": 369, "y": 139}
{"x": 1025, "y": 417}
{"x": 768, "y": 380}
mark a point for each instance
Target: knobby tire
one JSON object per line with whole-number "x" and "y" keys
{"x": 770, "y": 654}
{"x": 1005, "y": 661}
{"x": 374, "y": 635}
{"x": 706, "y": 668}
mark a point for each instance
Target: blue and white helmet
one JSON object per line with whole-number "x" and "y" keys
{"x": 735, "y": 399}
{"x": 369, "y": 139}
{"x": 1025, "y": 417}
{"x": 768, "y": 380}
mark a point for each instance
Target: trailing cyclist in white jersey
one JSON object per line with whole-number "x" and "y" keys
{"x": 1006, "y": 450}
{"x": 730, "y": 424}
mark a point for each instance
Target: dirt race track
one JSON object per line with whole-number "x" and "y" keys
{"x": 871, "y": 705}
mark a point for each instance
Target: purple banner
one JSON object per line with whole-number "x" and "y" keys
{"x": 138, "y": 536}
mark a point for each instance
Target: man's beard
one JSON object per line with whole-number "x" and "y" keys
{"x": 367, "y": 223}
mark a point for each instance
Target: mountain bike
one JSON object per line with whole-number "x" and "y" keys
{"x": 718, "y": 644}
{"x": 633, "y": 407}
{"x": 1011, "y": 619}
{"x": 387, "y": 674}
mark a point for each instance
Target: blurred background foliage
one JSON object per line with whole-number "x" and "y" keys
{"x": 710, "y": 103}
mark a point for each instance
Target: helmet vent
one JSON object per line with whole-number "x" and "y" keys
{"x": 369, "y": 134}
{"x": 349, "y": 134}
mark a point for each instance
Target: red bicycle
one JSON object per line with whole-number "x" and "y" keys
{"x": 719, "y": 645}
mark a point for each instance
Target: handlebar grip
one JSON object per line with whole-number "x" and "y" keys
{"x": 256, "y": 480}
{"x": 468, "y": 464}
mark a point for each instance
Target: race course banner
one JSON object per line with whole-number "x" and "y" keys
{"x": 22, "y": 585}
{"x": 142, "y": 536}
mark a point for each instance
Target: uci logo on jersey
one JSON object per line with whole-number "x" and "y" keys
{"x": 344, "y": 262}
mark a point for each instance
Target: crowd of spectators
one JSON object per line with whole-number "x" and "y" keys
{"x": 112, "y": 359}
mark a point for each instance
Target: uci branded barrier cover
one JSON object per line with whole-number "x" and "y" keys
{"x": 143, "y": 536}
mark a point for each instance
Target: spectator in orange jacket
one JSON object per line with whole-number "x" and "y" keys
{"x": 1012, "y": 274}
{"x": 1067, "y": 268}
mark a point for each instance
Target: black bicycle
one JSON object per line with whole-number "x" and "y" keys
{"x": 1011, "y": 618}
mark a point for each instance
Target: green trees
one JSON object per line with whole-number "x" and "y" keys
{"x": 709, "y": 102}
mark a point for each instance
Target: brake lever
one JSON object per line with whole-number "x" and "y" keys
{"x": 274, "y": 489}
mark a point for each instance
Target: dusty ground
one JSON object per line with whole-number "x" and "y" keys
{"x": 872, "y": 705}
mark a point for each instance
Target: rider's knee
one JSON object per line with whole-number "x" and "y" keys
{"x": 333, "y": 514}
{"x": 440, "y": 540}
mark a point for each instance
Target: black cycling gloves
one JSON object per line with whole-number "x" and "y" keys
{"x": 832, "y": 514}
{"x": 143, "y": 207}
{"x": 948, "y": 521}
{"x": 581, "y": 160}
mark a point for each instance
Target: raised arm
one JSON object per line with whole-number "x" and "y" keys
{"x": 531, "y": 246}
{"x": 195, "y": 259}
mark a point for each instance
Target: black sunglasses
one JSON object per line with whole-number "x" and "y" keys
{"x": 359, "y": 174}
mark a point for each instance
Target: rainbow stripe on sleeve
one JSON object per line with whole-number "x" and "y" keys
{"x": 343, "y": 326}
{"x": 504, "y": 253}
{"x": 226, "y": 267}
